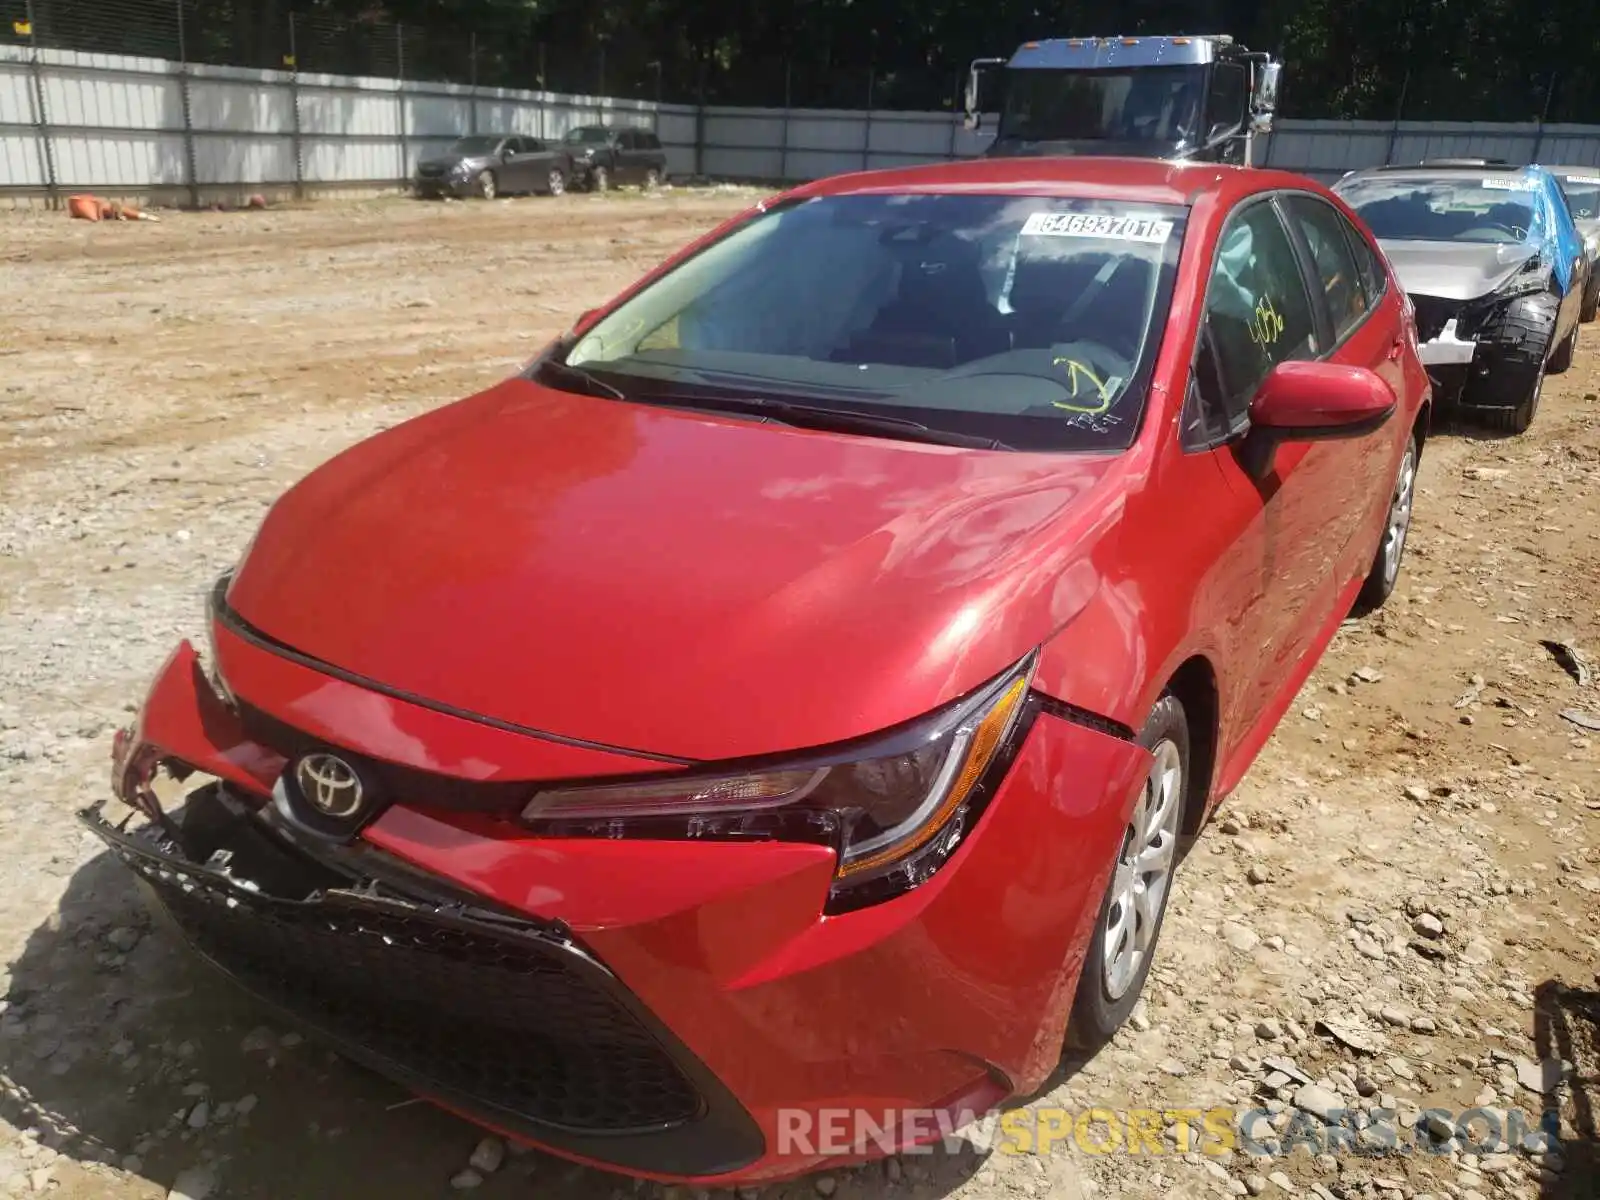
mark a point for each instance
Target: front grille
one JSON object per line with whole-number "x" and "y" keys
{"x": 457, "y": 1005}
{"x": 430, "y": 172}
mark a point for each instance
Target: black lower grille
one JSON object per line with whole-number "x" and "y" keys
{"x": 502, "y": 1017}
{"x": 1432, "y": 314}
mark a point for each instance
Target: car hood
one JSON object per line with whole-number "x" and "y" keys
{"x": 1454, "y": 270}
{"x": 672, "y": 582}
{"x": 457, "y": 160}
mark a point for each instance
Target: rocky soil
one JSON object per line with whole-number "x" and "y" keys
{"x": 1395, "y": 914}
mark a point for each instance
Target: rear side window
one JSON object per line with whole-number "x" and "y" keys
{"x": 1257, "y": 315}
{"x": 1338, "y": 274}
{"x": 651, "y": 141}
{"x": 625, "y": 139}
{"x": 1374, "y": 275}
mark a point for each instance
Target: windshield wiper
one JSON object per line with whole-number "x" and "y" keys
{"x": 593, "y": 383}
{"x": 842, "y": 420}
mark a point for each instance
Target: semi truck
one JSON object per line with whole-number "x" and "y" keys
{"x": 1203, "y": 98}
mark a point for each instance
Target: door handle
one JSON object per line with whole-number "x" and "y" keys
{"x": 1398, "y": 345}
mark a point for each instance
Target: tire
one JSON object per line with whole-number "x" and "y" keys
{"x": 1561, "y": 360}
{"x": 600, "y": 179}
{"x": 487, "y": 185}
{"x": 1509, "y": 394}
{"x": 1385, "y": 570}
{"x": 1591, "y": 301}
{"x": 555, "y": 183}
{"x": 1109, "y": 985}
{"x": 652, "y": 179}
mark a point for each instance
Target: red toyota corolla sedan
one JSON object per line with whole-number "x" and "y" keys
{"x": 784, "y": 700}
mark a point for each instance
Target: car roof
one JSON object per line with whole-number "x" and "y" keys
{"x": 1140, "y": 180}
{"x": 1444, "y": 170}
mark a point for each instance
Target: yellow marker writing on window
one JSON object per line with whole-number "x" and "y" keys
{"x": 1267, "y": 327}
{"x": 1077, "y": 375}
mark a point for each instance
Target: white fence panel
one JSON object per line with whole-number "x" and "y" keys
{"x": 240, "y": 107}
{"x": 118, "y": 122}
{"x": 113, "y": 100}
{"x": 19, "y": 160}
{"x": 16, "y": 92}
{"x": 105, "y": 160}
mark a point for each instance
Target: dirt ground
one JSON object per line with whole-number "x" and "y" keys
{"x": 1397, "y": 908}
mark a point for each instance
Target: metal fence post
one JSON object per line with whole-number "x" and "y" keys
{"x": 292, "y": 61}
{"x": 700, "y": 123}
{"x": 788, "y": 96}
{"x": 1544, "y": 116}
{"x": 188, "y": 112}
{"x": 1399, "y": 111}
{"x": 400, "y": 94}
{"x": 955, "y": 127}
{"x": 866, "y": 131}
{"x": 472, "y": 98}
{"x": 41, "y": 119}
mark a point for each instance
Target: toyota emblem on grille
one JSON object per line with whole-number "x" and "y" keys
{"x": 329, "y": 784}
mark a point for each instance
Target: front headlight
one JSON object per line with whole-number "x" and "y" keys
{"x": 213, "y": 666}
{"x": 1534, "y": 276}
{"x": 894, "y": 807}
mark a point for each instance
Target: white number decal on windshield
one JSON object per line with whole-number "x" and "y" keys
{"x": 1098, "y": 225}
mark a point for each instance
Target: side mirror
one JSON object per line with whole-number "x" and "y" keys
{"x": 1312, "y": 402}
{"x": 1268, "y": 76}
{"x": 971, "y": 101}
{"x": 585, "y": 319}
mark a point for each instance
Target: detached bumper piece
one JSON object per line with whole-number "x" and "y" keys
{"x": 502, "y": 1019}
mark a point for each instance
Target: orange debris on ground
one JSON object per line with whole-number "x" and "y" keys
{"x": 92, "y": 208}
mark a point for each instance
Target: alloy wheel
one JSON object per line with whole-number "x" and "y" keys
{"x": 1399, "y": 525}
{"x": 558, "y": 182}
{"x": 1143, "y": 872}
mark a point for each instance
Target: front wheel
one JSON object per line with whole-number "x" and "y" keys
{"x": 1519, "y": 339}
{"x": 1561, "y": 360}
{"x": 1125, "y": 932}
{"x": 488, "y": 185}
{"x": 600, "y": 180}
{"x": 1385, "y": 572}
{"x": 1591, "y": 302}
{"x": 556, "y": 184}
{"x": 652, "y": 179}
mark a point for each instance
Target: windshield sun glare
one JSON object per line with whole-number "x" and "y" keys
{"x": 1033, "y": 322}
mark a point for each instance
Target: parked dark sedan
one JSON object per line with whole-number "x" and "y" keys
{"x": 494, "y": 165}
{"x": 603, "y": 155}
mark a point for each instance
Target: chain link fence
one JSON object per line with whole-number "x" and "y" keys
{"x": 511, "y": 53}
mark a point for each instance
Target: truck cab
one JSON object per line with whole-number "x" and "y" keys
{"x": 1200, "y": 98}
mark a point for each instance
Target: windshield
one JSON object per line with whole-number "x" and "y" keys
{"x": 470, "y": 146}
{"x": 1583, "y": 193}
{"x": 589, "y": 135}
{"x": 1468, "y": 209}
{"x": 1149, "y": 104}
{"x": 1030, "y": 321}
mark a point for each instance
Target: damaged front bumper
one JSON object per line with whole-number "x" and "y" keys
{"x": 1448, "y": 349}
{"x": 500, "y": 1017}
{"x": 662, "y": 1008}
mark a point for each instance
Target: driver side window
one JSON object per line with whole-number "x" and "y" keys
{"x": 1257, "y": 314}
{"x": 1225, "y": 109}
